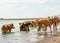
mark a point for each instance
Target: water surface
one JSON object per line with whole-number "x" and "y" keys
{"x": 19, "y": 37}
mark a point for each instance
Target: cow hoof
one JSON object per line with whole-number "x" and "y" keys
{"x": 28, "y": 29}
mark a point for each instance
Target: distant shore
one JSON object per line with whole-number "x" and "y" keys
{"x": 21, "y": 18}
{"x": 18, "y": 18}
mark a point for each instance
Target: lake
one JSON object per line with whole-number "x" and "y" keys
{"x": 19, "y": 37}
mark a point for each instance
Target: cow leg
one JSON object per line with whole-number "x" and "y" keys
{"x": 22, "y": 29}
{"x": 38, "y": 29}
{"x": 27, "y": 28}
{"x": 9, "y": 30}
{"x": 45, "y": 29}
{"x": 55, "y": 26}
{"x": 4, "y": 31}
{"x": 50, "y": 29}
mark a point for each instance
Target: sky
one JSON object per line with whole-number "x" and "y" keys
{"x": 29, "y": 8}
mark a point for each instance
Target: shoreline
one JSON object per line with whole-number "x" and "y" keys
{"x": 51, "y": 39}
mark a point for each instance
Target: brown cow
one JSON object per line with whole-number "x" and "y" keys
{"x": 43, "y": 22}
{"x": 24, "y": 26}
{"x": 55, "y": 21}
{"x": 7, "y": 27}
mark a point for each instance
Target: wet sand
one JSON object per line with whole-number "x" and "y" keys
{"x": 51, "y": 39}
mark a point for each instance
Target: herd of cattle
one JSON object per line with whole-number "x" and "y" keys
{"x": 41, "y": 22}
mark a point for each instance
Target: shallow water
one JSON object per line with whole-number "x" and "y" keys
{"x": 19, "y": 37}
